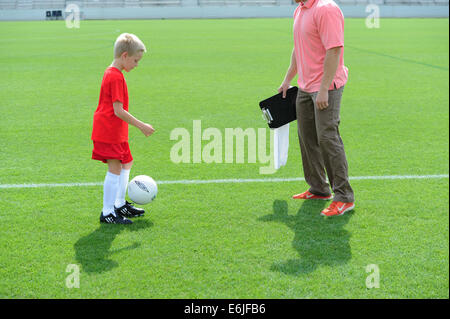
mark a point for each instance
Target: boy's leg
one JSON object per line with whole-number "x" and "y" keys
{"x": 332, "y": 147}
{"x": 123, "y": 207}
{"x": 123, "y": 183}
{"x": 111, "y": 186}
{"x": 313, "y": 164}
{"x": 127, "y": 166}
{"x": 114, "y": 166}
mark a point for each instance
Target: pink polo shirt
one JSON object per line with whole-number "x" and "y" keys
{"x": 318, "y": 26}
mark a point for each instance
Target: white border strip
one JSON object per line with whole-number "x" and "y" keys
{"x": 223, "y": 181}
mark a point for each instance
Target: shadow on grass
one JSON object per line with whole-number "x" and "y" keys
{"x": 92, "y": 252}
{"x": 319, "y": 240}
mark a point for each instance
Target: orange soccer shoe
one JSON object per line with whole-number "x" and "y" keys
{"x": 337, "y": 209}
{"x": 309, "y": 195}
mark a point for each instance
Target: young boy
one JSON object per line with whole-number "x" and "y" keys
{"x": 110, "y": 131}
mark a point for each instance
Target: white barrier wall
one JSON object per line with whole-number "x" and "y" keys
{"x": 191, "y": 10}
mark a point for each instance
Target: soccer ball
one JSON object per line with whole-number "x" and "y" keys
{"x": 142, "y": 189}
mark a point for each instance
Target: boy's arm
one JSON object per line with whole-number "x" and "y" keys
{"x": 146, "y": 129}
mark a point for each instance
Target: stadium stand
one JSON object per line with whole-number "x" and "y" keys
{"x": 11, "y": 10}
{"x": 351, "y": 2}
{"x": 237, "y": 2}
{"x": 8, "y": 4}
{"x": 61, "y": 4}
{"x": 393, "y": 2}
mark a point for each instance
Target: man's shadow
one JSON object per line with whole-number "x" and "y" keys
{"x": 318, "y": 240}
{"x": 92, "y": 252}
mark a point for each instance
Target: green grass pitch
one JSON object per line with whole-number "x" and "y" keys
{"x": 241, "y": 240}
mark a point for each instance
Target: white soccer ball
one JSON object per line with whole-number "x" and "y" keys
{"x": 142, "y": 189}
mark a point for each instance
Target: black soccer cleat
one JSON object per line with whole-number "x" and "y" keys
{"x": 114, "y": 219}
{"x": 129, "y": 211}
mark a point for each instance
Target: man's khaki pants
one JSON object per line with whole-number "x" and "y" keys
{"x": 321, "y": 146}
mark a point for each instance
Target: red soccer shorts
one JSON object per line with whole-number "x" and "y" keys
{"x": 106, "y": 151}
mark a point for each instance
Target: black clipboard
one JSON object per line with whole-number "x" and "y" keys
{"x": 278, "y": 111}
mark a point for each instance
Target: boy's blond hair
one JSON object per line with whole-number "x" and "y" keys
{"x": 127, "y": 42}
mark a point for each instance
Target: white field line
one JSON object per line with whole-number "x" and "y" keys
{"x": 231, "y": 180}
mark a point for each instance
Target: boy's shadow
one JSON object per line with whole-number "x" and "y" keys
{"x": 318, "y": 240}
{"x": 92, "y": 252}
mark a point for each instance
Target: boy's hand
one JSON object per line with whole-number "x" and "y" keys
{"x": 147, "y": 129}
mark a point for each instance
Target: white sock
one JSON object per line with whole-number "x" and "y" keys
{"x": 122, "y": 190}
{"x": 109, "y": 193}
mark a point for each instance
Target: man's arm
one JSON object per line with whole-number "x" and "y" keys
{"x": 330, "y": 66}
{"x": 146, "y": 129}
{"x": 290, "y": 74}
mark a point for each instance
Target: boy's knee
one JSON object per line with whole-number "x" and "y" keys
{"x": 127, "y": 165}
{"x": 114, "y": 166}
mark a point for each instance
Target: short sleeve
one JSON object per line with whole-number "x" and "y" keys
{"x": 117, "y": 90}
{"x": 330, "y": 23}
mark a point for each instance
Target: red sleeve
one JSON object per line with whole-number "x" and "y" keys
{"x": 330, "y": 22}
{"x": 117, "y": 90}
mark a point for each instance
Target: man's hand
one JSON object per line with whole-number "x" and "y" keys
{"x": 322, "y": 99}
{"x": 146, "y": 129}
{"x": 283, "y": 88}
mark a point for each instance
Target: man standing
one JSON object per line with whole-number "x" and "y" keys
{"x": 318, "y": 60}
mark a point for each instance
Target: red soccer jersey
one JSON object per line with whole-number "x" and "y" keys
{"x": 108, "y": 128}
